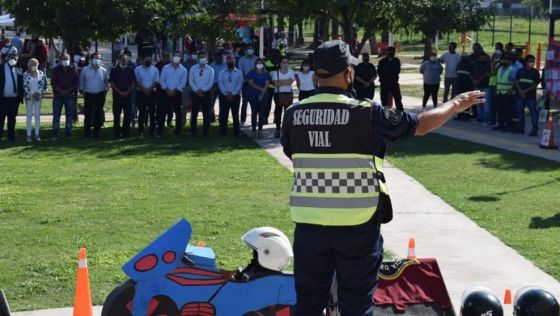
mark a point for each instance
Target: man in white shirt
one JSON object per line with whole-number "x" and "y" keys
{"x": 201, "y": 79}
{"x": 283, "y": 94}
{"x": 173, "y": 81}
{"x": 230, "y": 82}
{"x": 451, "y": 59}
{"x": 94, "y": 83}
{"x": 147, "y": 77}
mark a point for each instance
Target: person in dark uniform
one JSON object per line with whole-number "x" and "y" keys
{"x": 11, "y": 93}
{"x": 388, "y": 71}
{"x": 464, "y": 84}
{"x": 526, "y": 82}
{"x": 365, "y": 77}
{"x": 339, "y": 197}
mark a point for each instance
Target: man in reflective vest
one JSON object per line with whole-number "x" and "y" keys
{"x": 339, "y": 196}
{"x": 504, "y": 95}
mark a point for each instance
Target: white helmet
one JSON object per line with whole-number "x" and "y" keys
{"x": 272, "y": 246}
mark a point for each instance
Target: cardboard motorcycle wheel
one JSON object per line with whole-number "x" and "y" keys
{"x": 119, "y": 300}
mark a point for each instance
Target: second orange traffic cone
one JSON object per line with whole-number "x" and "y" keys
{"x": 507, "y": 297}
{"x": 547, "y": 141}
{"x": 411, "y": 249}
{"x": 82, "y": 298}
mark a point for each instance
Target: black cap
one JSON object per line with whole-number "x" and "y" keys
{"x": 331, "y": 58}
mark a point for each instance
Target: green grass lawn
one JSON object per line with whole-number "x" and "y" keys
{"x": 116, "y": 196}
{"x": 513, "y": 196}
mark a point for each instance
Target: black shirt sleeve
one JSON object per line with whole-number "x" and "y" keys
{"x": 285, "y": 139}
{"x": 389, "y": 124}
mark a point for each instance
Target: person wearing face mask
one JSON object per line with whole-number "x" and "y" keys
{"x": 11, "y": 94}
{"x": 491, "y": 95}
{"x": 339, "y": 196}
{"x": 173, "y": 81}
{"x": 306, "y": 81}
{"x": 164, "y": 60}
{"x": 451, "y": 59}
{"x": 526, "y": 82}
{"x": 431, "y": 71}
{"x": 65, "y": 83}
{"x": 34, "y": 87}
{"x": 201, "y": 79}
{"x": 388, "y": 70}
{"x": 147, "y": 77}
{"x": 481, "y": 68}
{"x": 94, "y": 83}
{"x": 246, "y": 64}
{"x": 365, "y": 77}
{"x": 230, "y": 82}
{"x": 191, "y": 59}
{"x": 257, "y": 91}
{"x": 218, "y": 65}
{"x": 123, "y": 82}
{"x": 283, "y": 94}
{"x": 504, "y": 95}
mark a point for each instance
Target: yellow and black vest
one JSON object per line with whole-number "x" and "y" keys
{"x": 338, "y": 180}
{"x": 503, "y": 83}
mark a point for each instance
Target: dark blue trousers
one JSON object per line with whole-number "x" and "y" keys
{"x": 353, "y": 252}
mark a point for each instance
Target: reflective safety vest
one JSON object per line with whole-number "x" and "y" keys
{"x": 464, "y": 73}
{"x": 503, "y": 83}
{"x": 336, "y": 182}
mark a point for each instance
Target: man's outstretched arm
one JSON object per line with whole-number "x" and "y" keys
{"x": 431, "y": 120}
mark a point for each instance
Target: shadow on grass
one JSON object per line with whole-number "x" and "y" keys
{"x": 434, "y": 144}
{"x": 538, "y": 222}
{"x": 496, "y": 196}
{"x": 110, "y": 147}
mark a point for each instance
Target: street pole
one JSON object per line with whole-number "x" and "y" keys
{"x": 530, "y": 20}
{"x": 493, "y": 27}
{"x": 510, "y": 23}
{"x": 261, "y": 35}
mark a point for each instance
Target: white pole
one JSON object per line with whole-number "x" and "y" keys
{"x": 390, "y": 39}
{"x": 261, "y": 36}
{"x": 437, "y": 43}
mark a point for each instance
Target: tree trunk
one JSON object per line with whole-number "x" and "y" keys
{"x": 373, "y": 44}
{"x": 291, "y": 33}
{"x": 427, "y": 46}
{"x": 300, "y": 28}
{"x": 335, "y": 28}
{"x": 363, "y": 41}
{"x": 347, "y": 28}
{"x": 324, "y": 27}
{"x": 281, "y": 23}
{"x": 270, "y": 35}
{"x": 315, "y": 42}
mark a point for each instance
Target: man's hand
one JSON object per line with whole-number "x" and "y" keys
{"x": 431, "y": 120}
{"x": 465, "y": 100}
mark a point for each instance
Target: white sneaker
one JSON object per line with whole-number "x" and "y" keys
{"x": 38, "y": 138}
{"x": 29, "y": 139}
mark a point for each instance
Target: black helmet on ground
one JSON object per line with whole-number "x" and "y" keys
{"x": 480, "y": 301}
{"x": 534, "y": 301}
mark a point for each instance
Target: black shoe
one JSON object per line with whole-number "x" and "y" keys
{"x": 534, "y": 132}
{"x": 277, "y": 134}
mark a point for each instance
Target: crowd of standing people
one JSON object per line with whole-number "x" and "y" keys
{"x": 147, "y": 95}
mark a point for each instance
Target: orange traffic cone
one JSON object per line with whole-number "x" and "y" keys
{"x": 507, "y": 297}
{"x": 547, "y": 141}
{"x": 411, "y": 249}
{"x": 82, "y": 299}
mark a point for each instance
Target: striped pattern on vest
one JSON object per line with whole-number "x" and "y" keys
{"x": 503, "y": 84}
{"x": 334, "y": 189}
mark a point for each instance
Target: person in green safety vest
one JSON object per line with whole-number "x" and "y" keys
{"x": 505, "y": 105}
{"x": 339, "y": 195}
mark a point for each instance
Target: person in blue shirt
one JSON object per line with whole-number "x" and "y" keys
{"x": 230, "y": 82}
{"x": 258, "y": 81}
{"x": 173, "y": 80}
{"x": 218, "y": 65}
{"x": 431, "y": 70}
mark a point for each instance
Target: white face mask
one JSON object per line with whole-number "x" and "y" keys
{"x": 305, "y": 68}
{"x": 95, "y": 61}
{"x": 260, "y": 66}
{"x": 194, "y": 57}
{"x": 433, "y": 58}
{"x": 12, "y": 62}
{"x": 202, "y": 61}
{"x": 176, "y": 59}
{"x": 250, "y": 52}
{"x": 34, "y": 68}
{"x": 65, "y": 63}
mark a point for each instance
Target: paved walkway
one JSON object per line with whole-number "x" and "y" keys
{"x": 467, "y": 254}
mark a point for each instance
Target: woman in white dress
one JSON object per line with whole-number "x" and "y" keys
{"x": 34, "y": 86}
